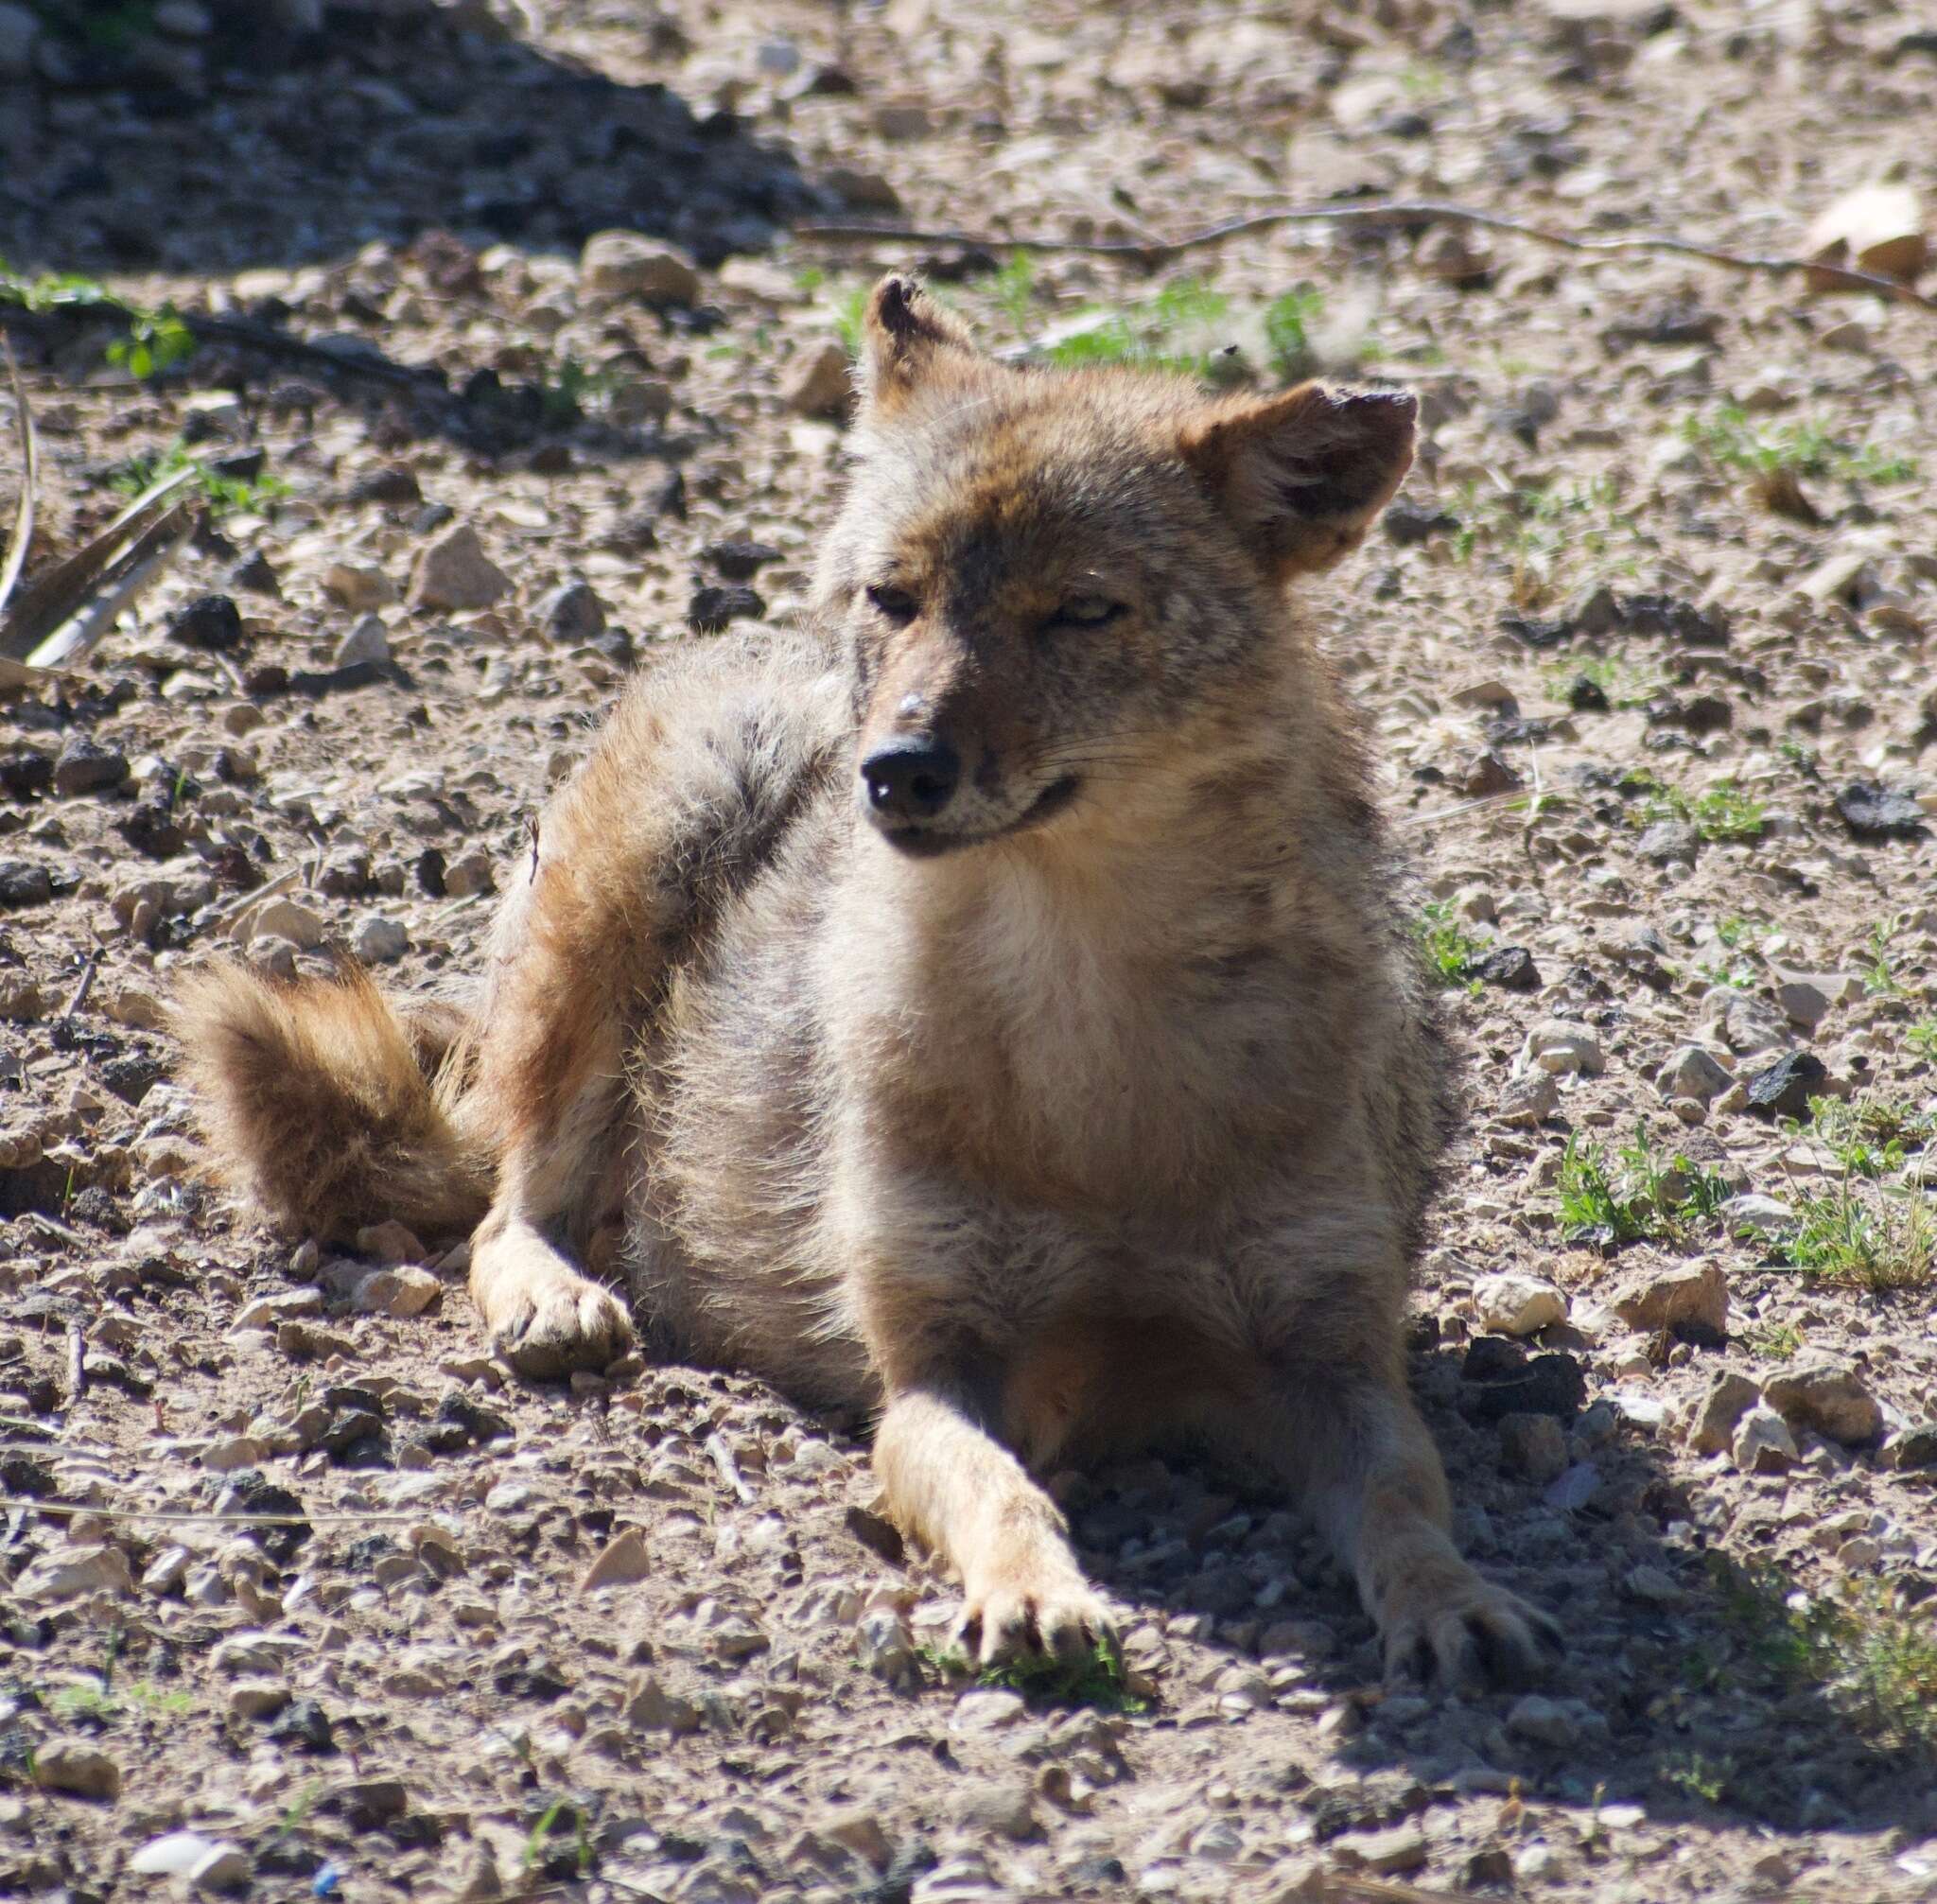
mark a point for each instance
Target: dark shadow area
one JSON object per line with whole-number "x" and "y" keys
{"x": 265, "y": 144}
{"x": 1689, "y": 1686}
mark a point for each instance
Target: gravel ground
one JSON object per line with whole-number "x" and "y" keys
{"x": 1647, "y": 643}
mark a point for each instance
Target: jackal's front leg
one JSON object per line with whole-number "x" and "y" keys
{"x": 1354, "y": 1443}
{"x": 958, "y": 1490}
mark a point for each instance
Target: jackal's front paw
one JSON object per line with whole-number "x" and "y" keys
{"x": 559, "y": 1323}
{"x": 1035, "y": 1613}
{"x": 1448, "y": 1624}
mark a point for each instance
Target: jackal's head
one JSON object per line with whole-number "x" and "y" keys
{"x": 1043, "y": 576}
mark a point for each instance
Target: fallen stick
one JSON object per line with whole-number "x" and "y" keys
{"x": 29, "y": 482}
{"x": 1385, "y": 212}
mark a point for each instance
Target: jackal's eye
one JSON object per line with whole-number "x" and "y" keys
{"x": 1085, "y": 611}
{"x": 896, "y": 604}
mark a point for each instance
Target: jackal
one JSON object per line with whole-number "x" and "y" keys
{"x": 991, "y": 1006}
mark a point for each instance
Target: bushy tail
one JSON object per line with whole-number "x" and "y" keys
{"x": 330, "y": 1107}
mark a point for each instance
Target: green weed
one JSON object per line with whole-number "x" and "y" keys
{"x": 1167, "y": 332}
{"x": 1014, "y": 289}
{"x": 1883, "y": 1240}
{"x": 1634, "y": 1196}
{"x": 1731, "y": 439}
{"x": 1921, "y": 1038}
{"x": 1705, "y": 1778}
{"x": 222, "y": 493}
{"x": 157, "y": 339}
{"x": 1288, "y": 322}
{"x": 1722, "y": 812}
{"x": 1449, "y": 950}
{"x": 1096, "y": 1681}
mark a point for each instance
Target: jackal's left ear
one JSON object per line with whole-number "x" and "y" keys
{"x": 906, "y": 339}
{"x": 1303, "y": 475}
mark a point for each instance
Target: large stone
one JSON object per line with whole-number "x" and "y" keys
{"x": 1513, "y": 1305}
{"x": 453, "y": 572}
{"x": 1558, "y": 1044}
{"x": 1828, "y": 1395}
{"x": 1763, "y": 1444}
{"x": 625, "y": 264}
{"x": 1730, "y": 1396}
{"x": 69, "y": 1572}
{"x": 1689, "y": 1299}
{"x": 1693, "y": 1072}
{"x": 78, "y": 1767}
{"x": 819, "y": 381}
{"x": 1784, "y": 1088}
{"x": 623, "y": 1560}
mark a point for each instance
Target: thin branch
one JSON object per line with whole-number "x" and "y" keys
{"x": 29, "y": 480}
{"x": 1385, "y": 212}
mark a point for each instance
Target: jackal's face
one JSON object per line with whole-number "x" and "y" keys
{"x": 1042, "y": 577}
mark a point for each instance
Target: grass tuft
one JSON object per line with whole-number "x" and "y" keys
{"x": 1634, "y": 1197}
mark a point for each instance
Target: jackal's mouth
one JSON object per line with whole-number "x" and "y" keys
{"x": 928, "y": 843}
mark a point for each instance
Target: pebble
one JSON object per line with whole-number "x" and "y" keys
{"x": 1752, "y": 1211}
{"x": 572, "y": 613}
{"x": 719, "y": 603}
{"x": 1515, "y": 1304}
{"x": 211, "y": 622}
{"x": 453, "y": 572}
{"x": 1553, "y": 1722}
{"x": 1826, "y": 1395}
{"x": 1668, "y": 843}
{"x": 989, "y": 1710}
{"x": 379, "y": 941}
{"x": 1763, "y": 1444}
{"x": 79, "y": 1768}
{"x": 175, "y": 1854}
{"x": 287, "y": 918}
{"x": 257, "y": 1698}
{"x": 222, "y": 1867}
{"x": 1392, "y": 1852}
{"x": 1004, "y": 1807}
{"x": 475, "y": 872}
{"x": 359, "y": 590}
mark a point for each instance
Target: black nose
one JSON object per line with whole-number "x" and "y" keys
{"x": 910, "y": 779}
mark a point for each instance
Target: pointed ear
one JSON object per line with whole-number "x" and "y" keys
{"x": 1302, "y": 476}
{"x": 906, "y": 339}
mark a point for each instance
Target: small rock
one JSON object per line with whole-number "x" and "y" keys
{"x": 885, "y": 1648}
{"x": 288, "y": 918}
{"x": 404, "y": 1290}
{"x": 625, "y": 264}
{"x": 366, "y": 641}
{"x": 1548, "y": 1385}
{"x": 1560, "y": 1045}
{"x": 737, "y": 559}
{"x": 1693, "y": 1072}
{"x": 250, "y": 1699}
{"x": 1765, "y": 1214}
{"x": 1784, "y": 1088}
{"x": 1915, "y": 1448}
{"x": 1668, "y": 842}
{"x": 85, "y": 766}
{"x": 1828, "y": 1396}
{"x": 650, "y": 1708}
{"x": 622, "y": 1561}
{"x": 713, "y": 606}
{"x": 69, "y": 1572}
{"x": 1688, "y": 1299}
{"x": 454, "y": 572}
{"x": 1763, "y": 1444}
{"x": 1872, "y": 812}
{"x": 1534, "y": 1446}
{"x": 1514, "y": 1304}
{"x": 78, "y": 1767}
{"x": 380, "y": 941}
{"x": 1552, "y": 1723}
{"x": 990, "y": 1710}
{"x": 1730, "y": 1396}
{"x": 1748, "y": 1027}
{"x": 1488, "y": 775}
{"x": 358, "y": 589}
{"x": 1510, "y": 968}
{"x": 1409, "y": 524}
{"x": 473, "y": 873}
{"x": 209, "y": 621}
{"x": 223, "y": 1867}
{"x": 819, "y": 381}
{"x": 1877, "y": 228}
{"x": 173, "y": 1855}
{"x": 1004, "y": 1807}
{"x": 1528, "y": 1102}
{"x": 572, "y": 614}
{"x": 23, "y": 884}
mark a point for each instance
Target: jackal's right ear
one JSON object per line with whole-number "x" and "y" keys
{"x": 906, "y": 339}
{"x": 1302, "y": 476}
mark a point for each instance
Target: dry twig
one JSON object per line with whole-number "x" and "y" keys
{"x": 1384, "y": 212}
{"x": 29, "y": 482}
